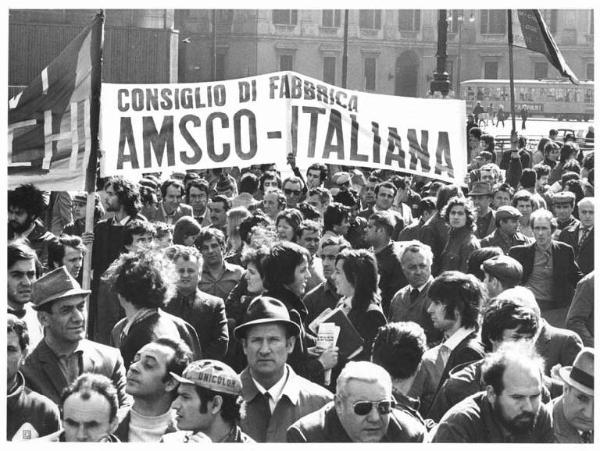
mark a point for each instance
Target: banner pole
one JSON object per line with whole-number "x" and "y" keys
{"x": 513, "y": 132}
{"x": 90, "y": 179}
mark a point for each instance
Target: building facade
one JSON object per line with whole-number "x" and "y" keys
{"x": 389, "y": 51}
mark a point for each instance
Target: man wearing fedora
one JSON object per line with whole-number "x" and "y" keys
{"x": 274, "y": 395}
{"x": 207, "y": 403}
{"x": 573, "y": 412}
{"x": 507, "y": 232}
{"x": 481, "y": 196}
{"x": 64, "y": 353}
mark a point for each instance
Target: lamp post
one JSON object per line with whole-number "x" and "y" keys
{"x": 441, "y": 80}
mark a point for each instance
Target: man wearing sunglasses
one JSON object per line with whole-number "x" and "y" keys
{"x": 363, "y": 411}
{"x": 293, "y": 188}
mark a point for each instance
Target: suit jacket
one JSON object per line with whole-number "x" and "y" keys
{"x": 206, "y": 313}
{"x": 584, "y": 254}
{"x": 580, "y": 317}
{"x": 43, "y": 374}
{"x": 156, "y": 213}
{"x": 557, "y": 345}
{"x": 564, "y": 432}
{"x": 565, "y": 274}
{"x": 391, "y": 276}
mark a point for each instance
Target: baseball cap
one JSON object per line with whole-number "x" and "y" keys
{"x": 212, "y": 375}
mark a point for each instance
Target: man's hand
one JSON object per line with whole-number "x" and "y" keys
{"x": 88, "y": 238}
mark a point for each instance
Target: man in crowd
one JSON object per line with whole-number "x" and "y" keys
{"x": 218, "y": 276}
{"x": 573, "y": 412}
{"x": 68, "y": 251}
{"x": 363, "y": 412}
{"x": 501, "y": 273}
{"x": 580, "y": 317}
{"x": 197, "y": 198}
{"x": 171, "y": 208}
{"x": 378, "y": 234}
{"x": 292, "y": 188}
{"x": 510, "y": 410}
{"x": 367, "y": 192}
{"x": 274, "y": 395}
{"x": 507, "y": 232}
{"x": 563, "y": 204}
{"x": 320, "y": 198}
{"x": 218, "y": 207}
{"x": 454, "y": 309}
{"x": 31, "y": 415}
{"x": 248, "y": 189}
{"x": 89, "y": 411}
{"x": 151, "y": 383}
{"x": 309, "y": 235}
{"x": 412, "y": 302}
{"x": 316, "y": 174}
{"x": 385, "y": 193}
{"x": 425, "y": 210}
{"x": 26, "y": 205}
{"x": 64, "y": 353}
{"x": 581, "y": 236}
{"x": 207, "y": 403}
{"x": 206, "y": 313}
{"x": 481, "y": 196}
{"x": 399, "y": 348}
{"x": 21, "y": 273}
{"x": 324, "y": 295}
{"x": 336, "y": 220}
{"x": 549, "y": 268}
{"x": 274, "y": 202}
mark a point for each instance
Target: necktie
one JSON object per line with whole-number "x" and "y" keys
{"x": 266, "y": 398}
{"x": 18, "y": 313}
{"x": 414, "y": 294}
{"x": 584, "y": 234}
{"x": 586, "y": 437}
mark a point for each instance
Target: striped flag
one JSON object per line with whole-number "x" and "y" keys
{"x": 50, "y": 121}
{"x": 533, "y": 34}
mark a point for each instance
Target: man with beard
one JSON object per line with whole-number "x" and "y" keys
{"x": 25, "y": 207}
{"x": 197, "y": 197}
{"x": 573, "y": 412}
{"x": 510, "y": 410}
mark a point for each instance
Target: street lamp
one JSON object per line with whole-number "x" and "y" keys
{"x": 441, "y": 80}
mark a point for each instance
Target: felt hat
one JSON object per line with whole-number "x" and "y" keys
{"x": 55, "y": 285}
{"x": 264, "y": 310}
{"x": 581, "y": 374}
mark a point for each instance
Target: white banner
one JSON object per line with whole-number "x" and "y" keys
{"x": 256, "y": 120}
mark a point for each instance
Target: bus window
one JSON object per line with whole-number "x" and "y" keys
{"x": 589, "y": 95}
{"x": 551, "y": 94}
{"x": 530, "y": 94}
{"x": 479, "y": 94}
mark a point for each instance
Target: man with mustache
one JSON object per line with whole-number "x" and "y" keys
{"x": 510, "y": 410}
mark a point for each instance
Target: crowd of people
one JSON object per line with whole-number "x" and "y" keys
{"x": 473, "y": 304}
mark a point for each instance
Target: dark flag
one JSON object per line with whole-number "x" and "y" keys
{"x": 50, "y": 122}
{"x": 533, "y": 34}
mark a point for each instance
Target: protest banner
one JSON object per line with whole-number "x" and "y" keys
{"x": 261, "y": 119}
{"x": 50, "y": 123}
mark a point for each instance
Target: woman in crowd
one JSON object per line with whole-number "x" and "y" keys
{"x": 287, "y": 223}
{"x": 235, "y": 216}
{"x": 355, "y": 278}
{"x": 459, "y": 215}
{"x": 185, "y": 231}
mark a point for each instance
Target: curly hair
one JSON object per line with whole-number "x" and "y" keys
{"x": 293, "y": 217}
{"x": 128, "y": 194}
{"x": 460, "y": 201}
{"x": 27, "y": 198}
{"x": 360, "y": 269}
{"x": 501, "y": 316}
{"x": 144, "y": 278}
{"x": 399, "y": 348}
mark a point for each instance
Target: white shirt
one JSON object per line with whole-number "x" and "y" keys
{"x": 148, "y": 429}
{"x": 275, "y": 391}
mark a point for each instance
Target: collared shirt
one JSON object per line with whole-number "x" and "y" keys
{"x": 70, "y": 364}
{"x": 221, "y": 285}
{"x": 275, "y": 391}
{"x": 458, "y": 336}
{"x": 138, "y": 316}
{"x": 125, "y": 220}
{"x": 540, "y": 279}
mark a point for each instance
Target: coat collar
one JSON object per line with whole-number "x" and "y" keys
{"x": 291, "y": 389}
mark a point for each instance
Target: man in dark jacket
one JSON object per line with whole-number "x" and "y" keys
{"x": 549, "y": 268}
{"x": 363, "y": 411}
{"x": 581, "y": 236}
{"x": 506, "y": 234}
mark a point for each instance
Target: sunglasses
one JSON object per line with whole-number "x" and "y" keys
{"x": 289, "y": 192}
{"x": 363, "y": 408}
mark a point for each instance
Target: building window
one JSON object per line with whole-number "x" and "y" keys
{"x": 454, "y": 17}
{"x": 409, "y": 20}
{"x": 550, "y": 17}
{"x": 286, "y": 62}
{"x": 493, "y": 21}
{"x": 490, "y": 70}
{"x": 589, "y": 71}
{"x": 370, "y": 18}
{"x": 370, "y": 73}
{"x": 285, "y": 16}
{"x": 329, "y": 69}
{"x": 540, "y": 70}
{"x": 332, "y": 18}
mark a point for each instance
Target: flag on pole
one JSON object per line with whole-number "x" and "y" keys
{"x": 533, "y": 34}
{"x": 49, "y": 123}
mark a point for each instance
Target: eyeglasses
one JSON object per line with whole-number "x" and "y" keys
{"x": 290, "y": 192}
{"x": 363, "y": 408}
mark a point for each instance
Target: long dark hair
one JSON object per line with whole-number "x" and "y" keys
{"x": 360, "y": 268}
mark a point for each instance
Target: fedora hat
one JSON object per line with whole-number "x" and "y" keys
{"x": 581, "y": 374}
{"x": 480, "y": 189}
{"x": 264, "y": 310}
{"x": 55, "y": 285}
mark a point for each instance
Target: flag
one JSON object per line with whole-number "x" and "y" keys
{"x": 50, "y": 121}
{"x": 533, "y": 34}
